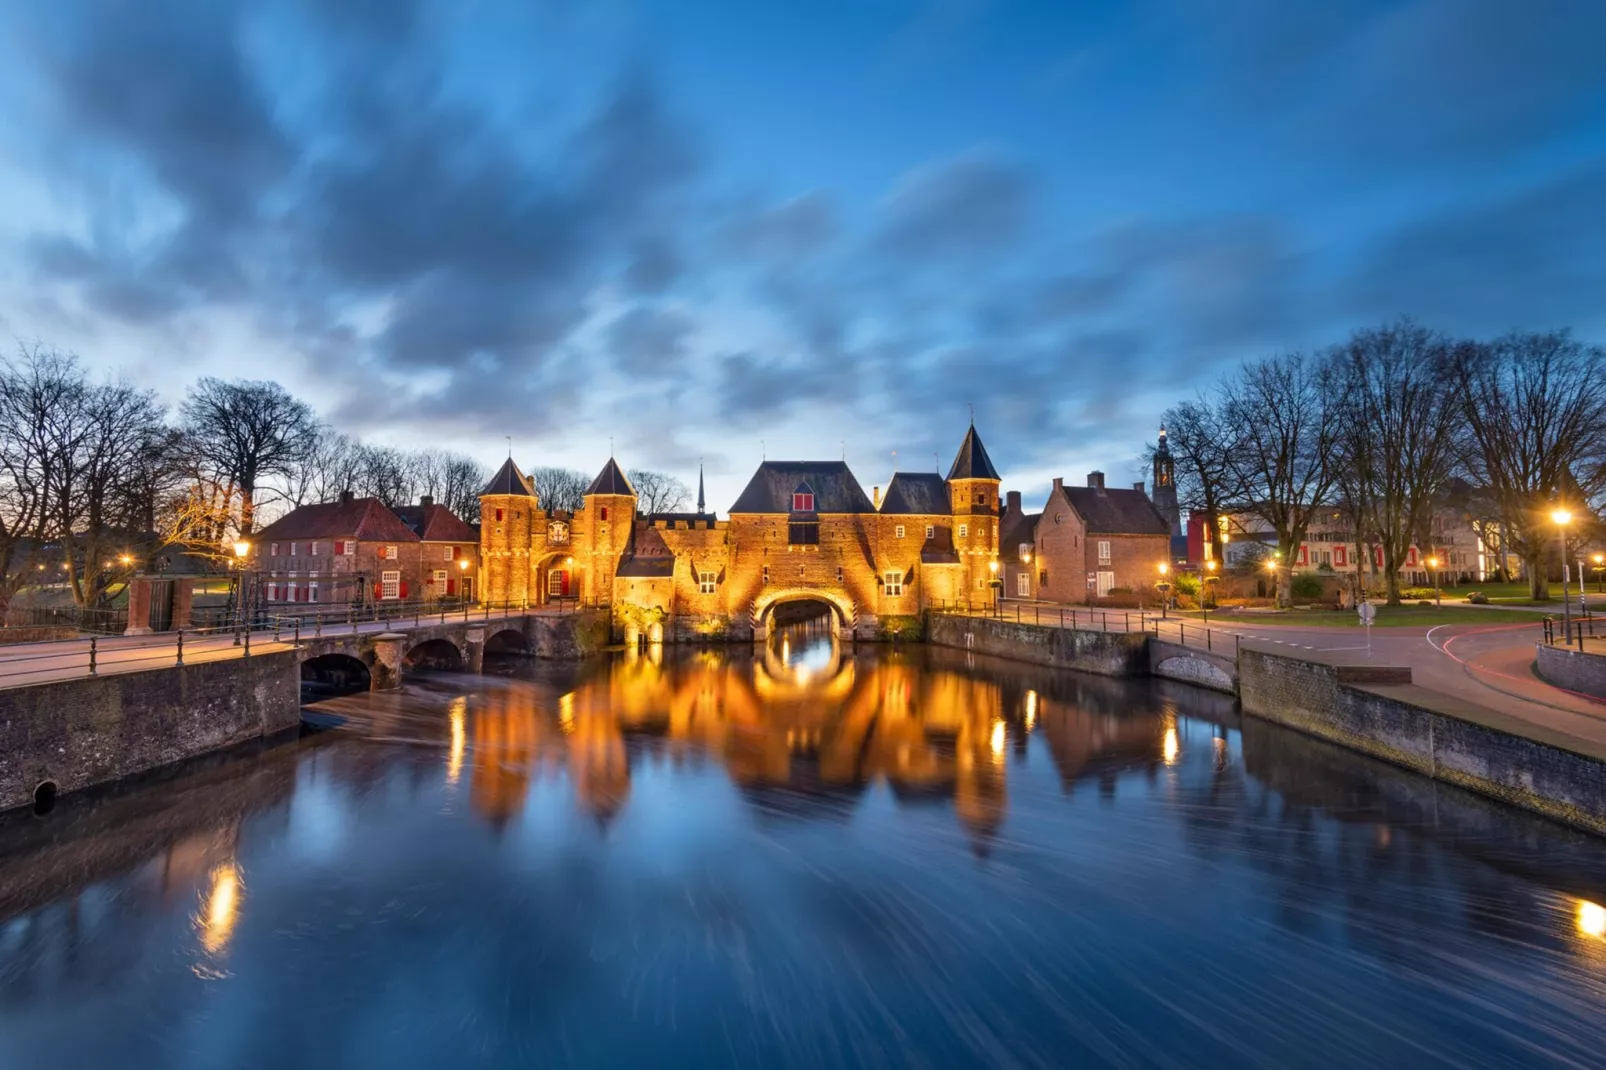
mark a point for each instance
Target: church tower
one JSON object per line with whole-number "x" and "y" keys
{"x": 610, "y": 512}
{"x": 508, "y": 507}
{"x": 1165, "y": 486}
{"x": 973, "y": 496}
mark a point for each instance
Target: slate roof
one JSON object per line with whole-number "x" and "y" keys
{"x": 365, "y": 519}
{"x": 1117, "y": 512}
{"x": 972, "y": 462}
{"x": 435, "y": 523}
{"x": 646, "y": 567}
{"x": 611, "y": 480}
{"x": 1023, "y": 530}
{"x": 509, "y": 480}
{"x": 835, "y": 488}
{"x": 646, "y": 555}
{"x": 917, "y": 493}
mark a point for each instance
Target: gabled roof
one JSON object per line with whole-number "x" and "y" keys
{"x": 972, "y": 462}
{"x": 435, "y": 523}
{"x": 366, "y": 519}
{"x": 917, "y": 493}
{"x": 1022, "y": 531}
{"x": 835, "y": 488}
{"x": 509, "y": 480}
{"x": 611, "y": 480}
{"x": 1117, "y": 512}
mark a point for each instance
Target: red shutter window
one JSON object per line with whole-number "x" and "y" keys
{"x": 451, "y": 585}
{"x": 404, "y": 589}
{"x": 1340, "y": 558}
{"x": 451, "y": 552}
{"x": 1303, "y": 554}
{"x": 802, "y": 503}
{"x": 604, "y": 512}
{"x": 499, "y": 514}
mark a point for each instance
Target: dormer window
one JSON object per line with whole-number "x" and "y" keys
{"x": 803, "y": 499}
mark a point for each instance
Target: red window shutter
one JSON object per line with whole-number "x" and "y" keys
{"x": 379, "y": 590}
{"x": 451, "y": 585}
{"x": 404, "y": 589}
{"x": 452, "y": 556}
{"x": 1302, "y": 553}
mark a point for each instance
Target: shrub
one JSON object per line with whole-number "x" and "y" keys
{"x": 1116, "y": 591}
{"x": 1185, "y": 585}
{"x": 1425, "y": 602}
{"x": 1478, "y": 598}
{"x": 1417, "y": 593}
{"x": 1307, "y": 587}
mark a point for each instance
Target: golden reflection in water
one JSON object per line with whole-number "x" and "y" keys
{"x": 566, "y": 712}
{"x": 998, "y": 739}
{"x": 1591, "y": 919}
{"x": 1170, "y": 746}
{"x": 454, "y": 757}
{"x": 222, "y": 908}
{"x": 1031, "y": 710}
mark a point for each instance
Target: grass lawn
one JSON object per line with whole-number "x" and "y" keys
{"x": 1514, "y": 594}
{"x": 1387, "y": 617}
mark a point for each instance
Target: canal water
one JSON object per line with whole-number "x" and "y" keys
{"x": 795, "y": 857}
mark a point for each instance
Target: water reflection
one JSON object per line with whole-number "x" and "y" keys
{"x": 804, "y": 854}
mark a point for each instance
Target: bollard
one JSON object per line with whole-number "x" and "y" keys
{"x": 317, "y": 626}
{"x": 297, "y": 639}
{"x": 248, "y": 642}
{"x": 92, "y": 642}
{"x": 180, "y": 659}
{"x": 1207, "y": 640}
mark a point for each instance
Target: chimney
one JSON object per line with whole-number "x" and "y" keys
{"x": 1059, "y": 482}
{"x": 1095, "y": 480}
{"x": 1138, "y": 486}
{"x": 427, "y": 500}
{"x": 346, "y": 497}
{"x": 875, "y": 497}
{"x": 1013, "y": 498}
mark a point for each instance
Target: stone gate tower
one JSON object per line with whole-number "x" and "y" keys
{"x": 1165, "y": 486}
{"x": 973, "y": 492}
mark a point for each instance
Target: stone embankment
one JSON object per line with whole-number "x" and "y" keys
{"x": 1374, "y": 709}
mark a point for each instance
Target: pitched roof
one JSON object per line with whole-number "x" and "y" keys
{"x": 509, "y": 480}
{"x": 359, "y": 518}
{"x": 917, "y": 493}
{"x": 435, "y": 523}
{"x": 646, "y": 555}
{"x": 835, "y": 489}
{"x": 1117, "y": 512}
{"x": 972, "y": 462}
{"x": 1022, "y": 531}
{"x": 611, "y": 480}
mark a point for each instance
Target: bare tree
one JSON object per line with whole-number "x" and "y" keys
{"x": 30, "y": 396}
{"x": 657, "y": 492}
{"x": 452, "y": 479}
{"x": 1202, "y": 442}
{"x": 559, "y": 489}
{"x": 247, "y": 433}
{"x": 1284, "y": 424}
{"x": 1397, "y": 437}
{"x": 1536, "y": 410}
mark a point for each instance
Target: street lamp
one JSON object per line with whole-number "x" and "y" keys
{"x": 1562, "y": 518}
{"x": 1600, "y": 568}
{"x": 1209, "y": 588}
{"x": 1433, "y": 563}
{"x": 998, "y": 588}
{"x": 1164, "y": 588}
{"x": 242, "y": 550}
{"x": 462, "y": 568}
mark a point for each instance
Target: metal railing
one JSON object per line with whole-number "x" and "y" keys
{"x": 1582, "y": 627}
{"x": 96, "y": 655}
{"x": 101, "y": 620}
{"x": 1053, "y": 615}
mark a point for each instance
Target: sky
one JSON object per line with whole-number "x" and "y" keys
{"x": 690, "y": 231}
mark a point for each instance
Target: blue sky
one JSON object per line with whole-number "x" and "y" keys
{"x": 707, "y": 230}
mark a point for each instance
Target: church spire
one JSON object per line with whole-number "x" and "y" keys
{"x": 701, "y": 508}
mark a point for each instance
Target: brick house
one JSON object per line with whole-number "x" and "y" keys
{"x": 799, "y": 530}
{"x": 354, "y": 550}
{"x": 450, "y": 549}
{"x": 1090, "y": 540}
{"x": 1017, "y": 549}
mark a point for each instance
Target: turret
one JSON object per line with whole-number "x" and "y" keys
{"x": 1165, "y": 485}
{"x": 508, "y": 506}
{"x": 610, "y": 511}
{"x": 973, "y": 493}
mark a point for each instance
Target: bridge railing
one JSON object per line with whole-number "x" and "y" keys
{"x": 1183, "y": 632}
{"x": 65, "y": 659}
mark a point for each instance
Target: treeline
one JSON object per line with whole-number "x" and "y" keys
{"x": 1382, "y": 426}
{"x": 98, "y": 476}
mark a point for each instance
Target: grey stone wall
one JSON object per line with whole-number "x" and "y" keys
{"x": 1572, "y": 669}
{"x": 1370, "y": 709}
{"x": 1203, "y": 668}
{"x": 89, "y": 731}
{"x": 1105, "y": 653}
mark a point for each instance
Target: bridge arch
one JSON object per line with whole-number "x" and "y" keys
{"x": 507, "y": 641}
{"x": 438, "y": 654}
{"x": 842, "y": 611}
{"x": 336, "y": 672}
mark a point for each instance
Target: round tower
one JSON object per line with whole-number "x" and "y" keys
{"x": 973, "y": 496}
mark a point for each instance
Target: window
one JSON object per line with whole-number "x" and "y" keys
{"x": 499, "y": 514}
{"x": 1042, "y": 578}
{"x": 803, "y": 533}
{"x": 312, "y": 549}
{"x": 293, "y": 597}
{"x": 1023, "y": 584}
{"x": 1106, "y": 581}
{"x": 440, "y": 581}
{"x": 604, "y": 512}
{"x": 312, "y": 592}
{"x": 1025, "y": 552}
{"x": 964, "y": 531}
{"x": 766, "y": 576}
{"x": 707, "y": 582}
{"x": 292, "y": 549}
{"x": 898, "y": 531}
{"x": 839, "y": 573}
{"x": 390, "y": 553}
{"x": 1104, "y": 552}
{"x": 351, "y": 547}
{"x": 931, "y": 531}
{"x": 803, "y": 501}
{"x": 389, "y": 584}
{"x": 894, "y": 584}
{"x": 273, "y": 549}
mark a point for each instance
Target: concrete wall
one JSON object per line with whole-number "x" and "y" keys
{"x": 82, "y": 732}
{"x": 1105, "y": 653}
{"x": 1573, "y": 670}
{"x": 1203, "y": 668}
{"x": 1370, "y": 710}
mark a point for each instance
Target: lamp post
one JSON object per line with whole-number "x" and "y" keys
{"x": 1164, "y": 588}
{"x": 998, "y": 588}
{"x": 1209, "y": 588}
{"x": 1600, "y": 568}
{"x": 462, "y": 568}
{"x": 1433, "y": 563}
{"x": 1562, "y": 518}
{"x": 242, "y": 550}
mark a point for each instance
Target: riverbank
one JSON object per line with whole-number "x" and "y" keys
{"x": 1345, "y": 698}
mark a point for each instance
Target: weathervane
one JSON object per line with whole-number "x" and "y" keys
{"x": 509, "y": 446}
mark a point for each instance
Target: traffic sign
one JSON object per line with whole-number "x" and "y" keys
{"x": 1368, "y": 613}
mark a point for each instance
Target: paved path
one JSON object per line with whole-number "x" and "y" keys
{"x": 37, "y": 663}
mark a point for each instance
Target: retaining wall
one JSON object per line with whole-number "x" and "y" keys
{"x": 1378, "y": 711}
{"x": 1572, "y": 669}
{"x": 76, "y": 733}
{"x": 1105, "y": 653}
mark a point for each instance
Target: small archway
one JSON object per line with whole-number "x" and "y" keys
{"x": 837, "y": 603}
{"x": 334, "y": 674}
{"x": 556, "y": 577}
{"x": 440, "y": 655}
{"x": 507, "y": 641}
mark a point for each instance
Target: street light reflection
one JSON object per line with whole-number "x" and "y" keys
{"x": 1171, "y": 746}
{"x": 222, "y": 908}
{"x": 454, "y": 760}
{"x": 998, "y": 739}
{"x": 1591, "y": 919}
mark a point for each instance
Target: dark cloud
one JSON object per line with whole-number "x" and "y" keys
{"x": 645, "y": 340}
{"x": 974, "y": 203}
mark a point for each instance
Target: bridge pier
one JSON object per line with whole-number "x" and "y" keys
{"x": 474, "y": 658}
{"x": 386, "y": 672}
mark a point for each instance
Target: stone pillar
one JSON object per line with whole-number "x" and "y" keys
{"x": 476, "y": 650}
{"x": 139, "y": 606}
{"x": 385, "y": 674}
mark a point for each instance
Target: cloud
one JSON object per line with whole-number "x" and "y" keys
{"x": 971, "y": 204}
{"x": 647, "y": 340}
